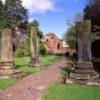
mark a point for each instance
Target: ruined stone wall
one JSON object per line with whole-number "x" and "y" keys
{"x": 54, "y": 45}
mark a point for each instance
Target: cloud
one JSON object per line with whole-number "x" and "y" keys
{"x": 38, "y": 6}
{"x": 31, "y": 19}
{"x": 3, "y": 1}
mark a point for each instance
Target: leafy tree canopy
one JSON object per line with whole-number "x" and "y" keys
{"x": 14, "y": 14}
{"x": 35, "y": 23}
{"x": 70, "y": 35}
{"x": 92, "y": 11}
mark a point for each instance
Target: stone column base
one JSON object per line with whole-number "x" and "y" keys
{"x": 84, "y": 71}
{"x": 84, "y": 74}
{"x": 34, "y": 62}
{"x": 6, "y": 69}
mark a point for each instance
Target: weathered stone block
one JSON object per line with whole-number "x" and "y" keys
{"x": 84, "y": 69}
{"x": 6, "y": 64}
{"x": 34, "y": 61}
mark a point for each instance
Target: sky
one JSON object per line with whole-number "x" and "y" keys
{"x": 53, "y": 15}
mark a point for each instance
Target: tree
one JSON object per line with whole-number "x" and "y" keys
{"x": 1, "y": 10}
{"x": 71, "y": 36}
{"x": 35, "y": 23}
{"x": 92, "y": 11}
{"x": 14, "y": 14}
{"x": 1, "y": 6}
{"x": 27, "y": 37}
{"x": 27, "y": 45}
{"x": 42, "y": 49}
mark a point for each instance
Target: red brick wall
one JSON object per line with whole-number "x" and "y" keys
{"x": 54, "y": 45}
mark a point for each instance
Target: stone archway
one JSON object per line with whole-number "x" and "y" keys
{"x": 95, "y": 50}
{"x": 58, "y": 46}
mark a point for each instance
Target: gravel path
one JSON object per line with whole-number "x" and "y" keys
{"x": 33, "y": 86}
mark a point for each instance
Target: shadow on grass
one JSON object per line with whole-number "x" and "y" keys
{"x": 18, "y": 66}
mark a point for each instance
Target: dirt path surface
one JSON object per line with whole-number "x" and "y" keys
{"x": 33, "y": 86}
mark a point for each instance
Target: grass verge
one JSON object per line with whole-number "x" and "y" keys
{"x": 72, "y": 92}
{"x": 4, "y": 83}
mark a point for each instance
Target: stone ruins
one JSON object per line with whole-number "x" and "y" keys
{"x": 84, "y": 68}
{"x": 6, "y": 63}
{"x": 34, "y": 61}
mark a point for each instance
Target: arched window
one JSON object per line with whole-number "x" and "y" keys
{"x": 52, "y": 37}
{"x": 58, "y": 46}
{"x": 47, "y": 40}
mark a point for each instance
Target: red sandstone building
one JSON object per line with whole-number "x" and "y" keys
{"x": 55, "y": 45}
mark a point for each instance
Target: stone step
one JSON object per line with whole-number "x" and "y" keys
{"x": 83, "y": 71}
{"x": 83, "y": 76}
{"x": 94, "y": 82}
{"x": 7, "y": 72}
{"x": 84, "y": 64}
{"x": 83, "y": 67}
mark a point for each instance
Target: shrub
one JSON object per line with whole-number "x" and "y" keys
{"x": 19, "y": 52}
{"x": 42, "y": 49}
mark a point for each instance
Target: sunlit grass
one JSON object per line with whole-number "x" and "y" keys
{"x": 23, "y": 62}
{"x": 22, "y": 65}
{"x": 72, "y": 92}
{"x": 4, "y": 83}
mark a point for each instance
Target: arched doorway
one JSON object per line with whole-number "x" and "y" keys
{"x": 58, "y": 46}
{"x": 95, "y": 50}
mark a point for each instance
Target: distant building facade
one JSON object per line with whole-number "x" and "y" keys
{"x": 55, "y": 45}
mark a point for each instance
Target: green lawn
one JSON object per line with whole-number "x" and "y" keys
{"x": 23, "y": 62}
{"x": 72, "y": 92}
{"x": 50, "y": 60}
{"x": 4, "y": 83}
{"x": 22, "y": 65}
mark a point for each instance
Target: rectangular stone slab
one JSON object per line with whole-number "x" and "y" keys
{"x": 84, "y": 40}
{"x": 6, "y": 46}
{"x": 34, "y": 61}
{"x": 34, "y": 43}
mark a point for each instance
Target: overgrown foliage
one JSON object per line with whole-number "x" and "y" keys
{"x": 42, "y": 49}
{"x": 14, "y": 14}
{"x": 19, "y": 51}
{"x": 25, "y": 49}
{"x": 35, "y": 23}
{"x": 71, "y": 35}
{"x": 92, "y": 11}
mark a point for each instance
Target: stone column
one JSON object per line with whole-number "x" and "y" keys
{"x": 6, "y": 64}
{"x": 84, "y": 40}
{"x": 84, "y": 67}
{"x": 34, "y": 61}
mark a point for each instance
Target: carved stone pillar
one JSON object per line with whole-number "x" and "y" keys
{"x": 84, "y": 67}
{"x": 6, "y": 64}
{"x": 34, "y": 61}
